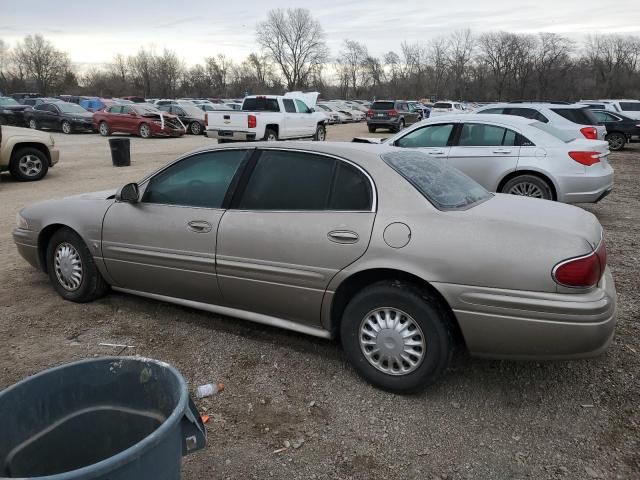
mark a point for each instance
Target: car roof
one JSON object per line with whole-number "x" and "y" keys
{"x": 481, "y": 117}
{"x": 532, "y": 104}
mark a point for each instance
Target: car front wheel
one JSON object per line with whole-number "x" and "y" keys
{"x": 104, "y": 130}
{"x": 528, "y": 186}
{"x": 71, "y": 268}
{"x": 396, "y": 336}
{"x": 321, "y": 134}
{"x": 28, "y": 164}
{"x": 66, "y": 127}
{"x": 144, "y": 130}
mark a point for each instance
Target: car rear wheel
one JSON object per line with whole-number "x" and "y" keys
{"x": 270, "y": 135}
{"x": 71, "y": 268}
{"x": 195, "y": 128}
{"x": 396, "y": 336}
{"x": 616, "y": 141}
{"x": 321, "y": 134}
{"x": 400, "y": 125}
{"x": 528, "y": 186}
{"x": 28, "y": 164}
{"x": 66, "y": 127}
{"x": 144, "y": 130}
{"x": 104, "y": 130}
{"x": 372, "y": 129}
{"x": 33, "y": 124}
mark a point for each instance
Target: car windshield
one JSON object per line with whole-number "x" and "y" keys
{"x": 7, "y": 101}
{"x": 445, "y": 187}
{"x": 70, "y": 107}
{"x": 562, "y": 135}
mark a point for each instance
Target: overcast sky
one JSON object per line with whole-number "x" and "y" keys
{"x": 93, "y": 32}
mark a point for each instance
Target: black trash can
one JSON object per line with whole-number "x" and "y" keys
{"x": 120, "y": 152}
{"x": 112, "y": 418}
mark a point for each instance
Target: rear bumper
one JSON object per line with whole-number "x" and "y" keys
{"x": 589, "y": 188}
{"x": 534, "y": 325}
{"x": 241, "y": 136}
{"x": 373, "y": 122}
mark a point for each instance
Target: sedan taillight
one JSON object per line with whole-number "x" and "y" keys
{"x": 585, "y": 158}
{"x": 583, "y": 272}
{"x": 589, "y": 132}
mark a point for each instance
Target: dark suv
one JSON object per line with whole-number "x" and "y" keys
{"x": 391, "y": 114}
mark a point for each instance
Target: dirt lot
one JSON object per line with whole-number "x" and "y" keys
{"x": 485, "y": 419}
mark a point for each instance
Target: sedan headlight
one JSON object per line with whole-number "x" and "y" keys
{"x": 22, "y": 222}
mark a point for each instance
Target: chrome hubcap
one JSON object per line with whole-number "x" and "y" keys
{"x": 321, "y": 134}
{"x": 195, "y": 128}
{"x": 144, "y": 131}
{"x": 32, "y": 124}
{"x": 616, "y": 142}
{"x": 66, "y": 128}
{"x": 30, "y": 165}
{"x": 68, "y": 266}
{"x": 526, "y": 189}
{"x": 103, "y": 128}
{"x": 392, "y": 341}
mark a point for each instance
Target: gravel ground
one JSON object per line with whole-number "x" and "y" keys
{"x": 485, "y": 419}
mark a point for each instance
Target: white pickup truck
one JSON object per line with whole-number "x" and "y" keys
{"x": 270, "y": 118}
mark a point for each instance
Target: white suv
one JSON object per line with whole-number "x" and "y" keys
{"x": 629, "y": 108}
{"x": 447, "y": 108}
{"x": 573, "y": 119}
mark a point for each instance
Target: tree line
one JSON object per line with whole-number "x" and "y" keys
{"x": 292, "y": 54}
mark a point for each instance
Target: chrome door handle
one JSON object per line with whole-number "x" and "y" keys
{"x": 199, "y": 226}
{"x": 501, "y": 150}
{"x": 343, "y": 236}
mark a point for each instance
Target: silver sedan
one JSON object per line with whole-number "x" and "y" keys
{"x": 401, "y": 257}
{"x": 516, "y": 155}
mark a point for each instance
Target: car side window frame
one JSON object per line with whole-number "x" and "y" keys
{"x": 516, "y": 140}
{"x": 248, "y": 171}
{"x": 451, "y": 141}
{"x": 144, "y": 184}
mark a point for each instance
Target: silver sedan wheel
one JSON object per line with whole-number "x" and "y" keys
{"x": 526, "y": 189}
{"x": 392, "y": 341}
{"x": 30, "y": 166}
{"x": 145, "y": 131}
{"x": 66, "y": 127}
{"x": 33, "y": 124}
{"x": 68, "y": 266}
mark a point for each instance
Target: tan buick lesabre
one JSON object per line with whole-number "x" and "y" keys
{"x": 399, "y": 255}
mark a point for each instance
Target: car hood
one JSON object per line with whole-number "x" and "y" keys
{"x": 26, "y": 134}
{"x": 535, "y": 215}
{"x": 17, "y": 108}
{"x": 100, "y": 195}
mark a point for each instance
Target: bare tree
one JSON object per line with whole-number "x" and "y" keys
{"x": 141, "y": 67}
{"x": 295, "y": 42}
{"x": 39, "y": 59}
{"x": 497, "y": 53}
{"x": 438, "y": 54}
{"x": 351, "y": 60}
{"x": 459, "y": 54}
{"x": 551, "y": 59}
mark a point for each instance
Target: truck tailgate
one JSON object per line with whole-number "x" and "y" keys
{"x": 227, "y": 120}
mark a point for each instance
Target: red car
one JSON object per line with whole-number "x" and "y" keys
{"x": 143, "y": 120}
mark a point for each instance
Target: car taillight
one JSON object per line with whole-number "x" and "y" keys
{"x": 585, "y": 158}
{"x": 589, "y": 132}
{"x": 369, "y": 113}
{"x": 393, "y": 113}
{"x": 584, "y": 271}
{"x": 206, "y": 118}
{"x": 251, "y": 121}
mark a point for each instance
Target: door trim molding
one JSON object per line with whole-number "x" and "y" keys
{"x": 234, "y": 312}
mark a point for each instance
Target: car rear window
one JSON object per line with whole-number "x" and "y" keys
{"x": 442, "y": 105}
{"x": 382, "y": 106}
{"x": 445, "y": 187}
{"x": 630, "y": 106}
{"x": 261, "y": 104}
{"x": 581, "y": 116}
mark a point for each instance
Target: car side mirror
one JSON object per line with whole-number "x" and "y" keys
{"x": 129, "y": 193}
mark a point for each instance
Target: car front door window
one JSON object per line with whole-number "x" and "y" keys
{"x": 431, "y": 136}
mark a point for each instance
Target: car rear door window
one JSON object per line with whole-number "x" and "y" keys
{"x": 351, "y": 190}
{"x": 526, "y": 113}
{"x": 630, "y": 106}
{"x": 581, "y": 116}
{"x": 284, "y": 180}
{"x": 425, "y": 137}
{"x": 289, "y": 106}
{"x": 201, "y": 180}
{"x": 125, "y": 109}
{"x": 493, "y": 110}
{"x": 482, "y": 135}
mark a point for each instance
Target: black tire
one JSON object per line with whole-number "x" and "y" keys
{"x": 28, "y": 164}
{"x": 144, "y": 130}
{"x": 321, "y": 134}
{"x": 425, "y": 310}
{"x": 535, "y": 186}
{"x": 33, "y": 124}
{"x": 400, "y": 125}
{"x": 616, "y": 141}
{"x": 92, "y": 285}
{"x": 66, "y": 127}
{"x": 195, "y": 128}
{"x": 372, "y": 129}
{"x": 103, "y": 129}
{"x": 270, "y": 135}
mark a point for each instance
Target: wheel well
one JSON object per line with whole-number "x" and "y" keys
{"x": 275, "y": 127}
{"x": 519, "y": 173}
{"x": 43, "y": 242}
{"x": 618, "y": 132}
{"x": 37, "y": 146}
{"x": 356, "y": 282}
